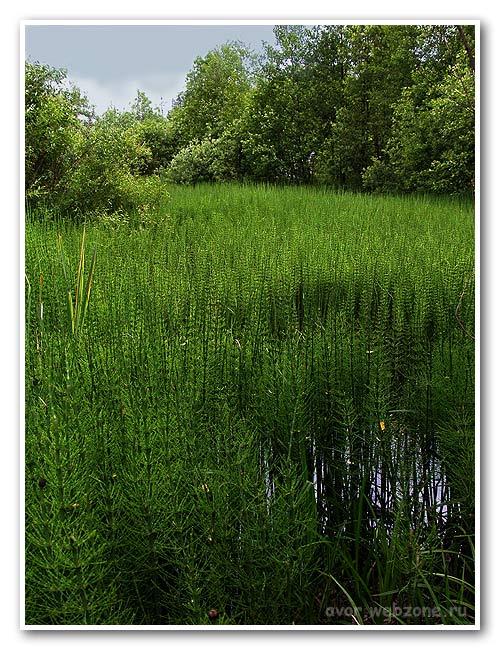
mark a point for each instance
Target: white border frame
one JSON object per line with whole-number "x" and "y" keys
{"x": 228, "y": 22}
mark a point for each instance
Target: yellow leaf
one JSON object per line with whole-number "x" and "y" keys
{"x": 382, "y": 425}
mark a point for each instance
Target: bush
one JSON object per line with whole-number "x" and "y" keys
{"x": 191, "y": 164}
{"x": 161, "y": 139}
{"x": 103, "y": 179}
{"x": 56, "y": 119}
{"x": 379, "y": 177}
{"x": 76, "y": 164}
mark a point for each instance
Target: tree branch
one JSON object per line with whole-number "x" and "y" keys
{"x": 468, "y": 49}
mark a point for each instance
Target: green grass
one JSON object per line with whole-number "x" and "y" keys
{"x": 268, "y": 411}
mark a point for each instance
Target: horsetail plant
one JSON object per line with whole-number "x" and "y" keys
{"x": 272, "y": 425}
{"x": 77, "y": 306}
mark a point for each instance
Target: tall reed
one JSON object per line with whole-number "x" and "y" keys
{"x": 78, "y": 305}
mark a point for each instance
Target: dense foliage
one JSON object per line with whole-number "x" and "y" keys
{"x": 266, "y": 409}
{"x": 379, "y": 107}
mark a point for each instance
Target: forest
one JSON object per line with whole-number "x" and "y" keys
{"x": 250, "y": 350}
{"x": 378, "y": 108}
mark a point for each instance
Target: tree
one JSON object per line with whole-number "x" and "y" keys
{"x": 215, "y": 92}
{"x": 112, "y": 156}
{"x": 161, "y": 140}
{"x": 377, "y": 62}
{"x": 75, "y": 162}
{"x": 281, "y": 124}
{"x": 56, "y": 119}
{"x": 142, "y": 107}
{"x": 432, "y": 144}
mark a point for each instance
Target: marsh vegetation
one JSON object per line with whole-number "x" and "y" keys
{"x": 264, "y": 416}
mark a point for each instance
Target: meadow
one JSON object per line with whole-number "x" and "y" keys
{"x": 254, "y": 408}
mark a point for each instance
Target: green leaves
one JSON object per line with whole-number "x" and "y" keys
{"x": 53, "y": 127}
{"x": 78, "y": 302}
{"x": 215, "y": 92}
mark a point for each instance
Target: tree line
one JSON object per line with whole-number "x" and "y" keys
{"x": 379, "y": 108}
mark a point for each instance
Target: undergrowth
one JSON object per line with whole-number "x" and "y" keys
{"x": 267, "y": 416}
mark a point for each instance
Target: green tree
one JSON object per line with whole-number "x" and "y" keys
{"x": 77, "y": 163}
{"x": 378, "y": 64}
{"x": 432, "y": 143}
{"x": 215, "y": 93}
{"x": 107, "y": 176}
{"x": 142, "y": 107}
{"x": 281, "y": 125}
{"x": 161, "y": 139}
{"x": 57, "y": 119}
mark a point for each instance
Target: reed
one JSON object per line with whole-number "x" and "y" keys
{"x": 78, "y": 304}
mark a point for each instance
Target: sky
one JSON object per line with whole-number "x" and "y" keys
{"x": 109, "y": 63}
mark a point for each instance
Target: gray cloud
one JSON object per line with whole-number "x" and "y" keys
{"x": 120, "y": 93}
{"x": 112, "y": 61}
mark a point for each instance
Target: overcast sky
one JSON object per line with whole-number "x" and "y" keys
{"x": 109, "y": 63}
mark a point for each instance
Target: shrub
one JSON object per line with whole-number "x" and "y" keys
{"x": 379, "y": 177}
{"x": 55, "y": 123}
{"x": 76, "y": 164}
